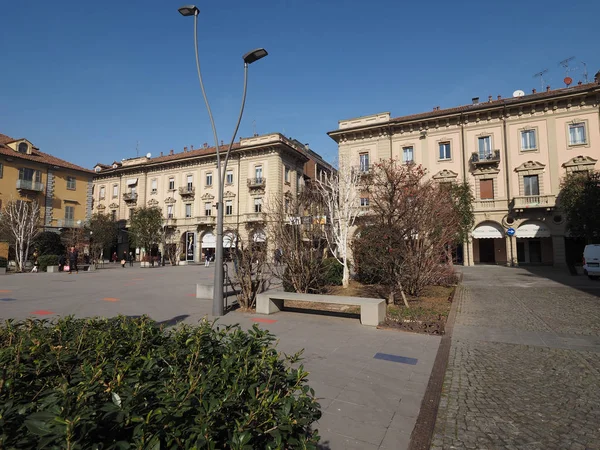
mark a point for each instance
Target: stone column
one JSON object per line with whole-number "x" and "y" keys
{"x": 511, "y": 251}
{"x": 558, "y": 251}
{"x": 468, "y": 252}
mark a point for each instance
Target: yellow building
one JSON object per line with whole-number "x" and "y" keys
{"x": 513, "y": 151}
{"x": 63, "y": 189}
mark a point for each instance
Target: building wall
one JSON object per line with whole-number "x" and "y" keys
{"x": 63, "y": 196}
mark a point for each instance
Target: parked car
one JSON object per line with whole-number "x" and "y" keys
{"x": 591, "y": 261}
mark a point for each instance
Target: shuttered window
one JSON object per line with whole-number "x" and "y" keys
{"x": 486, "y": 189}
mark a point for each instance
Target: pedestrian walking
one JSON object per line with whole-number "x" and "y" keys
{"x": 130, "y": 259}
{"x": 36, "y": 263}
{"x": 124, "y": 260}
{"x": 61, "y": 262}
{"x": 207, "y": 260}
{"x": 114, "y": 257}
{"x": 73, "y": 256}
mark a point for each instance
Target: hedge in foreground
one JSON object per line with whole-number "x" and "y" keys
{"x": 126, "y": 383}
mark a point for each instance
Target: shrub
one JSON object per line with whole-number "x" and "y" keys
{"x": 49, "y": 243}
{"x": 126, "y": 383}
{"x": 3, "y": 261}
{"x": 333, "y": 272}
{"x": 47, "y": 260}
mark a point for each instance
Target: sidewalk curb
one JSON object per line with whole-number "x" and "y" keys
{"x": 422, "y": 434}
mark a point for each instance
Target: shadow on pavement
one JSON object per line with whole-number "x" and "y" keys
{"x": 564, "y": 277}
{"x": 173, "y": 321}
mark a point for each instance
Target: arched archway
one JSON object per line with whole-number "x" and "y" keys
{"x": 489, "y": 243}
{"x": 534, "y": 243}
{"x": 208, "y": 245}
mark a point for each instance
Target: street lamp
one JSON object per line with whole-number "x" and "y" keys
{"x": 248, "y": 58}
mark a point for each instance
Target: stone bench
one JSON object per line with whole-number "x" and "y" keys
{"x": 372, "y": 310}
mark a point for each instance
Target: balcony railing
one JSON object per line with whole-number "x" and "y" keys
{"x": 255, "y": 217}
{"x": 534, "y": 201}
{"x": 487, "y": 158}
{"x": 490, "y": 205}
{"x": 170, "y": 221}
{"x": 206, "y": 220}
{"x": 187, "y": 191}
{"x": 30, "y": 185}
{"x": 130, "y": 196}
{"x": 69, "y": 223}
{"x": 257, "y": 182}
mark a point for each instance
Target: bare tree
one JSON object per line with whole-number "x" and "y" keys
{"x": 340, "y": 197}
{"x": 19, "y": 222}
{"x": 171, "y": 244}
{"x": 250, "y": 264}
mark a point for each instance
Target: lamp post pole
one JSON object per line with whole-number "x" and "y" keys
{"x": 249, "y": 58}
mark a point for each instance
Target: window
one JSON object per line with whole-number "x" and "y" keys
{"x": 102, "y": 193}
{"x": 364, "y": 162}
{"x": 485, "y": 147}
{"x": 115, "y": 190}
{"x": 208, "y": 209}
{"x": 69, "y": 213}
{"x": 531, "y": 185}
{"x": 229, "y": 177}
{"x": 1, "y": 170}
{"x": 445, "y": 151}
{"x": 30, "y": 175}
{"x": 171, "y": 184}
{"x": 286, "y": 177}
{"x": 364, "y": 201}
{"x": 188, "y": 210}
{"x": 577, "y": 134}
{"x": 23, "y": 147}
{"x": 190, "y": 182}
{"x": 113, "y": 215}
{"x": 258, "y": 173}
{"x": 528, "y": 141}
{"x": 257, "y": 205}
{"x": 133, "y": 191}
{"x": 228, "y": 207}
{"x": 154, "y": 186}
{"x": 486, "y": 189}
{"x": 169, "y": 211}
{"x": 71, "y": 183}
{"x": 209, "y": 179}
{"x": 407, "y": 155}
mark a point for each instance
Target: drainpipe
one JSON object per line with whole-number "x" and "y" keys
{"x": 466, "y": 252}
{"x": 506, "y": 166}
{"x": 390, "y": 133}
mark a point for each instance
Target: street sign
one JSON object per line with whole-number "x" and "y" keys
{"x": 510, "y": 231}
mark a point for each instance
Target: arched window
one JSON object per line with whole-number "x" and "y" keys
{"x": 23, "y": 147}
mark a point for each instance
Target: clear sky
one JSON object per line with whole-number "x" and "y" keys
{"x": 87, "y": 81}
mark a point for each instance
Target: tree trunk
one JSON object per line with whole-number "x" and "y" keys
{"x": 346, "y": 275}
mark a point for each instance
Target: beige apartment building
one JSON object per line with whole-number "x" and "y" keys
{"x": 184, "y": 185}
{"x": 514, "y": 152}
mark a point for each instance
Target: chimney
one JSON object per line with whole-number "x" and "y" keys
{"x": 475, "y": 100}
{"x": 489, "y": 98}
{"x": 184, "y": 149}
{"x": 499, "y": 97}
{"x": 533, "y": 91}
{"x": 161, "y": 153}
{"x": 205, "y": 145}
{"x": 191, "y": 148}
{"x": 597, "y": 77}
{"x": 171, "y": 152}
{"x": 547, "y": 88}
{"x": 221, "y": 142}
{"x": 579, "y": 83}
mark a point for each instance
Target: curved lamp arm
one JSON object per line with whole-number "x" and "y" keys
{"x": 237, "y": 125}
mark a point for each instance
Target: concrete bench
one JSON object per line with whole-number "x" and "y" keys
{"x": 372, "y": 310}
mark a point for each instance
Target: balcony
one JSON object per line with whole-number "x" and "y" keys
{"x": 130, "y": 197}
{"x": 30, "y": 185}
{"x": 187, "y": 191}
{"x": 206, "y": 220}
{"x": 490, "y": 205}
{"x": 522, "y": 203}
{"x": 69, "y": 223}
{"x": 257, "y": 183}
{"x": 255, "y": 217}
{"x": 170, "y": 221}
{"x": 486, "y": 159}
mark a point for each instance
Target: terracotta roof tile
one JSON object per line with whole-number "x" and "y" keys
{"x": 37, "y": 156}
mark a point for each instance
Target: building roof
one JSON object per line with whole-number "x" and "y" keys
{"x": 483, "y": 105}
{"x": 37, "y": 156}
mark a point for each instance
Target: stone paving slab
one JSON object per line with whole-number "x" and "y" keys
{"x": 524, "y": 368}
{"x": 367, "y": 403}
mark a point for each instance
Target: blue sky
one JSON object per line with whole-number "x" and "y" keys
{"x": 88, "y": 82}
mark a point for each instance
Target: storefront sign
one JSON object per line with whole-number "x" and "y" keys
{"x": 190, "y": 239}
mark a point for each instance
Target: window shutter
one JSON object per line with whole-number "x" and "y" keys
{"x": 486, "y": 189}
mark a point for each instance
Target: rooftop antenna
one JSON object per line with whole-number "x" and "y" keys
{"x": 565, "y": 64}
{"x": 541, "y": 75}
{"x": 254, "y": 128}
{"x": 585, "y": 72}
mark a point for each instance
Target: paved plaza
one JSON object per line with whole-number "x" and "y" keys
{"x": 524, "y": 365}
{"x": 367, "y": 403}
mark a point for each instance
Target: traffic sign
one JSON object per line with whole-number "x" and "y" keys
{"x": 510, "y": 231}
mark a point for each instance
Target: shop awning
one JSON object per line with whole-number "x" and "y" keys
{"x": 209, "y": 240}
{"x": 487, "y": 231}
{"x": 533, "y": 230}
{"x": 260, "y": 236}
{"x": 132, "y": 181}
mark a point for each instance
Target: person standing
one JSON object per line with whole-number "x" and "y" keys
{"x": 130, "y": 259}
{"x": 207, "y": 259}
{"x": 124, "y": 260}
{"x": 114, "y": 257}
{"x": 73, "y": 256}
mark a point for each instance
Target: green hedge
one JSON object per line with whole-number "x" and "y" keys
{"x": 47, "y": 260}
{"x": 125, "y": 383}
{"x": 333, "y": 272}
{"x": 3, "y": 261}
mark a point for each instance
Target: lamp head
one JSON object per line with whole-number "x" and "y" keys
{"x": 254, "y": 55}
{"x": 189, "y": 10}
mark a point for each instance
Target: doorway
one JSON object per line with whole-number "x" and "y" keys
{"x": 486, "y": 251}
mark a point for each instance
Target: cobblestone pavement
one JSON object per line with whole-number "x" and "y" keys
{"x": 524, "y": 366}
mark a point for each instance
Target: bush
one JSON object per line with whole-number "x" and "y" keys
{"x": 333, "y": 272}
{"x": 126, "y": 383}
{"x": 3, "y": 261}
{"x": 47, "y": 260}
{"x": 49, "y": 243}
